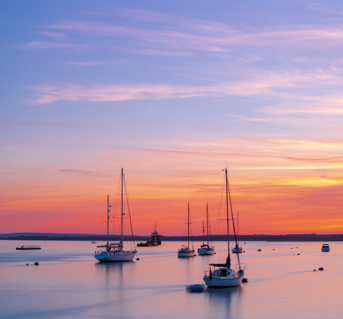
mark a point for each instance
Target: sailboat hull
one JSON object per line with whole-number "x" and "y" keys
{"x": 205, "y": 251}
{"x": 224, "y": 277}
{"x": 222, "y": 281}
{"x": 185, "y": 254}
{"x": 115, "y": 256}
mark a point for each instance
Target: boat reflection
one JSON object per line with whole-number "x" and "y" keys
{"x": 227, "y": 300}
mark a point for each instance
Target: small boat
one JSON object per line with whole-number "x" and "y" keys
{"x": 223, "y": 275}
{"x": 28, "y": 247}
{"x": 115, "y": 251}
{"x": 205, "y": 249}
{"x": 196, "y": 288}
{"x": 93, "y": 242}
{"x": 325, "y": 248}
{"x": 185, "y": 251}
{"x": 154, "y": 240}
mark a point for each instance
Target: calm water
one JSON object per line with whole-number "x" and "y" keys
{"x": 69, "y": 283}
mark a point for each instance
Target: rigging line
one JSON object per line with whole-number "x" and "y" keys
{"x": 233, "y": 224}
{"x": 128, "y": 207}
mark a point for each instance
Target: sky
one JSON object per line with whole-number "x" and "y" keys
{"x": 172, "y": 91}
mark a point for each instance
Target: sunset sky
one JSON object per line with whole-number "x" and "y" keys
{"x": 173, "y": 92}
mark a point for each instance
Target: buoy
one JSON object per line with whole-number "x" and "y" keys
{"x": 298, "y": 254}
{"x": 291, "y": 247}
{"x": 27, "y": 264}
{"x": 244, "y": 243}
{"x": 320, "y": 268}
{"x": 137, "y": 258}
{"x": 244, "y": 280}
{"x": 36, "y": 263}
{"x": 214, "y": 253}
{"x": 259, "y": 249}
{"x": 314, "y": 270}
{"x": 243, "y": 251}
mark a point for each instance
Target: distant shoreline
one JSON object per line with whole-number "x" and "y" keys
{"x": 241, "y": 238}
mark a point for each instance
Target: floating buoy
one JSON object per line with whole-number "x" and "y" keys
{"x": 259, "y": 249}
{"x": 36, "y": 263}
{"x": 214, "y": 253}
{"x": 243, "y": 251}
{"x": 27, "y": 264}
{"x": 244, "y": 280}
{"x": 291, "y": 247}
{"x": 195, "y": 255}
{"x": 244, "y": 243}
{"x": 320, "y": 268}
{"x": 137, "y": 258}
{"x": 314, "y": 270}
{"x": 298, "y": 254}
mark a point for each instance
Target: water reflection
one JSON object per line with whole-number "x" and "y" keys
{"x": 225, "y": 300}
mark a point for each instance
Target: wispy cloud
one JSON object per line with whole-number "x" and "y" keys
{"x": 40, "y": 45}
{"x": 76, "y": 171}
{"x": 270, "y": 84}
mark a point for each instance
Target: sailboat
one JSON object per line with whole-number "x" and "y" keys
{"x": 237, "y": 249}
{"x": 223, "y": 275}
{"x": 185, "y": 251}
{"x": 205, "y": 249}
{"x": 115, "y": 251}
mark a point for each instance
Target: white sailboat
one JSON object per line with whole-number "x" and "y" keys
{"x": 223, "y": 275}
{"x": 205, "y": 249}
{"x": 115, "y": 251}
{"x": 185, "y": 251}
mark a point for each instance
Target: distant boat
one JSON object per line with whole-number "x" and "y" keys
{"x": 237, "y": 249}
{"x": 154, "y": 240}
{"x": 115, "y": 251}
{"x": 223, "y": 275}
{"x": 185, "y": 251}
{"x": 325, "y": 248}
{"x": 28, "y": 247}
{"x": 93, "y": 242}
{"x": 205, "y": 249}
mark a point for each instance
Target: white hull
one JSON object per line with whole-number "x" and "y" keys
{"x": 185, "y": 254}
{"x": 115, "y": 256}
{"x": 222, "y": 281}
{"x": 203, "y": 252}
{"x": 233, "y": 279}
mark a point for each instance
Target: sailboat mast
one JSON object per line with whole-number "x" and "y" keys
{"x": 207, "y": 221}
{"x": 203, "y": 232}
{"x": 122, "y": 208}
{"x": 227, "y": 211}
{"x": 188, "y": 225}
{"x": 108, "y": 219}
